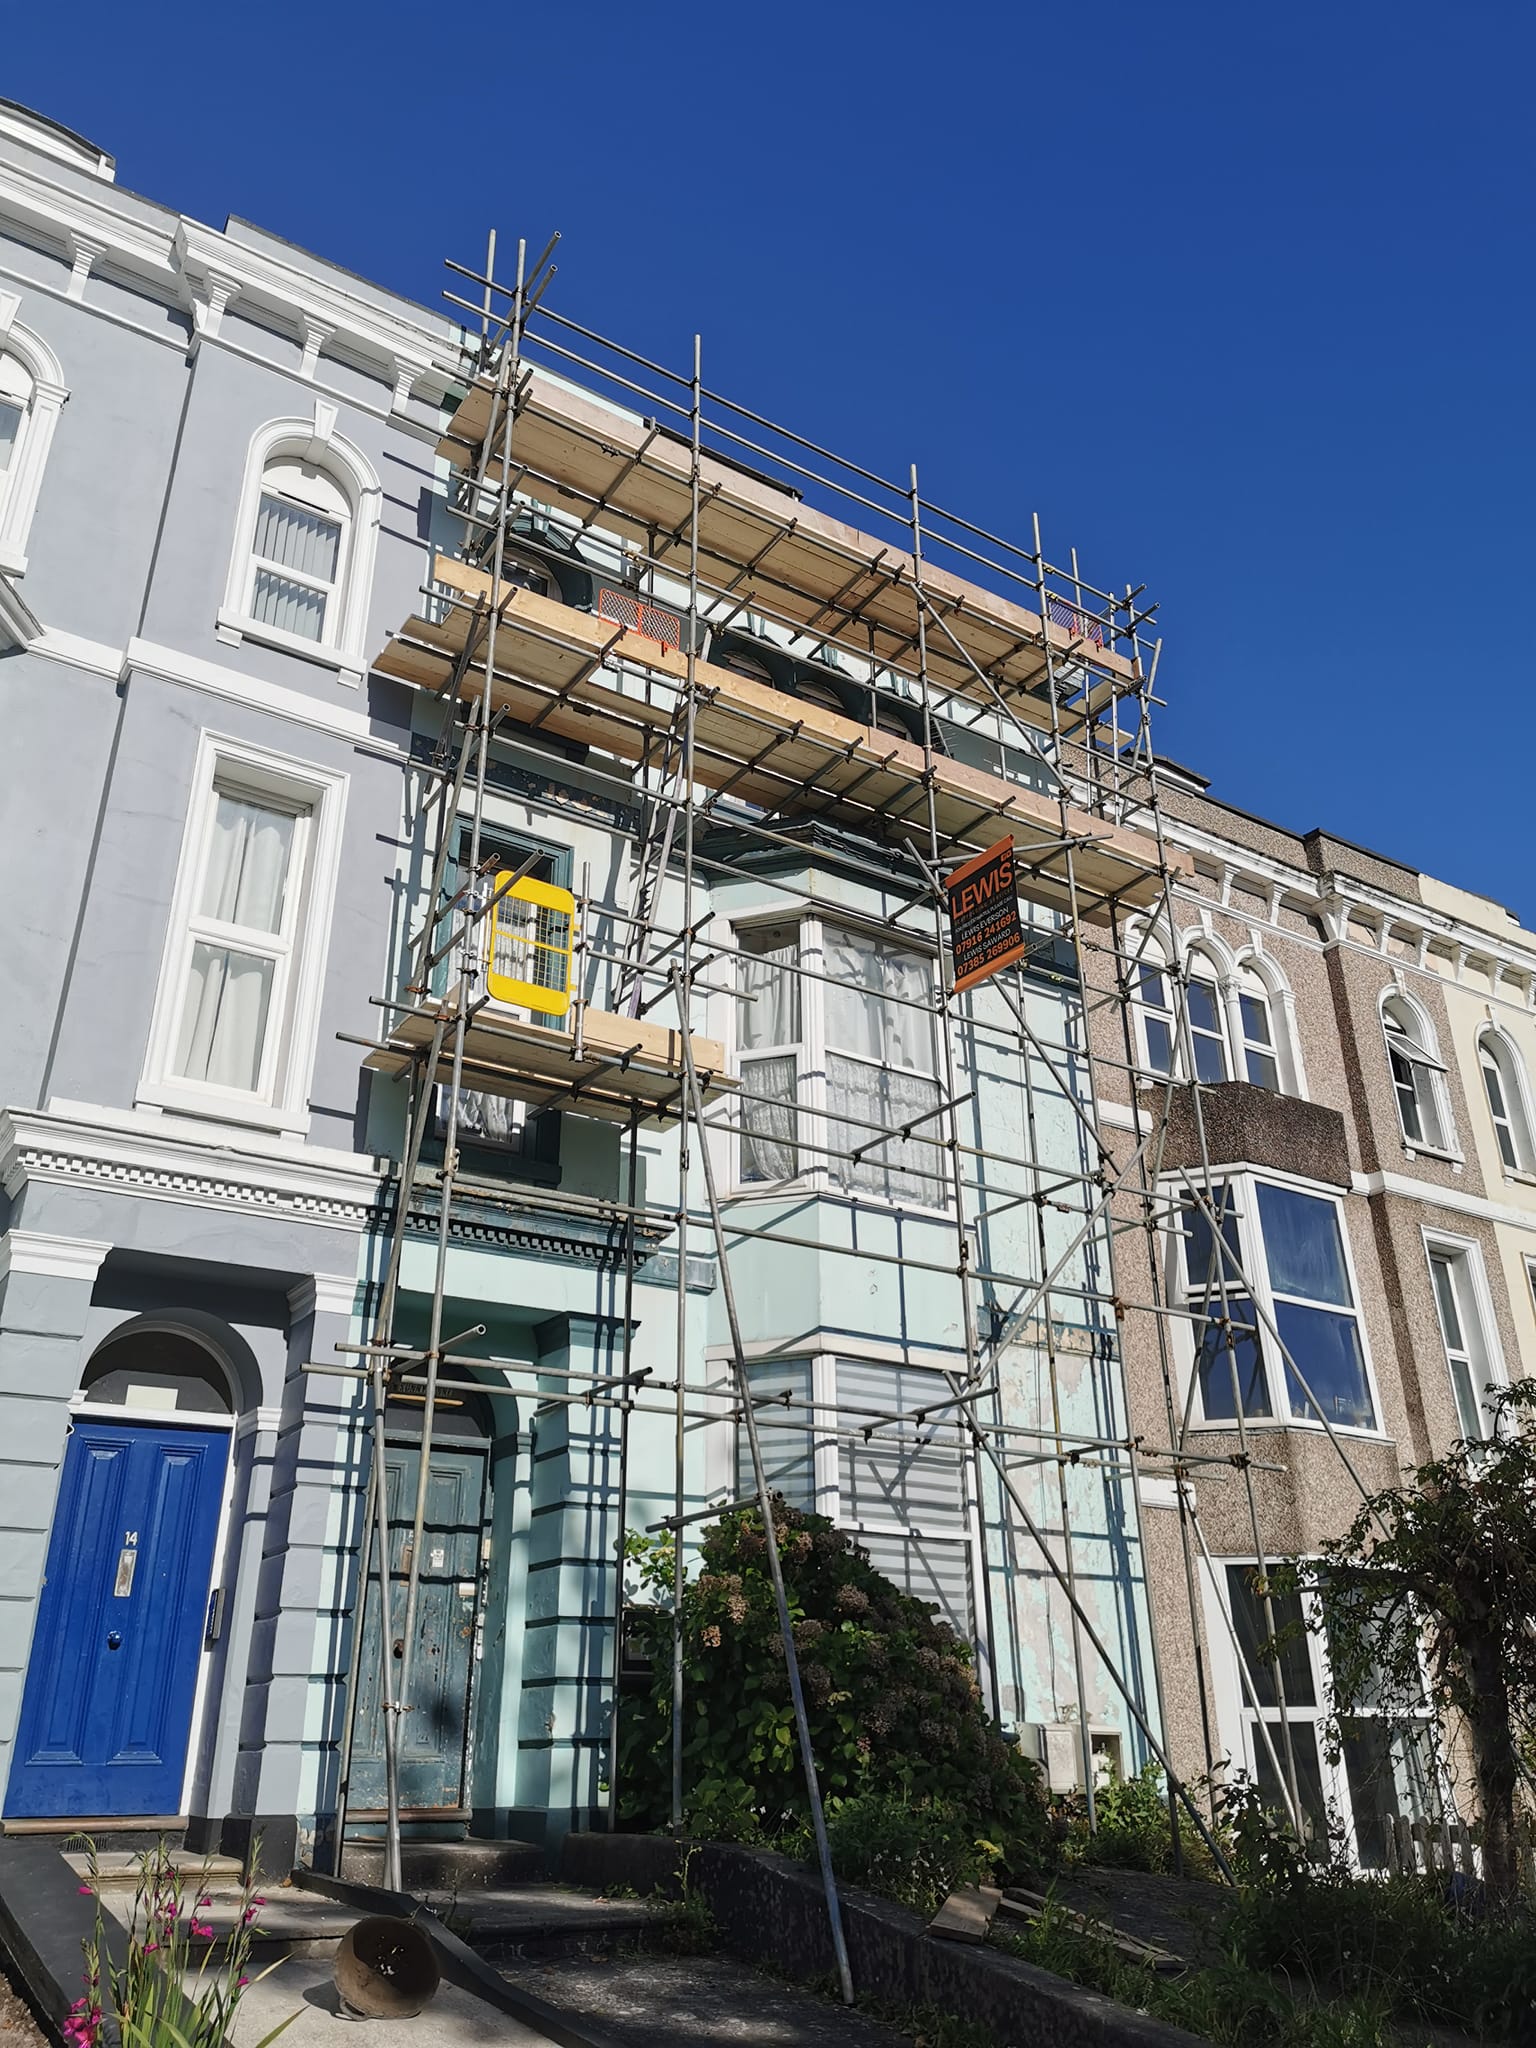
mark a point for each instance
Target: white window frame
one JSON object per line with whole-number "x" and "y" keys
{"x": 823, "y": 1425}
{"x": 1150, "y": 961}
{"x": 815, "y": 1116}
{"x": 1474, "y": 1308}
{"x": 319, "y": 795}
{"x": 1204, "y": 959}
{"x": 22, "y": 480}
{"x": 1242, "y": 1183}
{"x": 1236, "y": 1719}
{"x": 1509, "y": 1069}
{"x": 1200, "y": 966}
{"x": 1423, "y": 1060}
{"x": 316, "y": 442}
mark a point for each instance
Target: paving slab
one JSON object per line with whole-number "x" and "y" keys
{"x": 658, "y": 2001}
{"x": 302, "y": 1985}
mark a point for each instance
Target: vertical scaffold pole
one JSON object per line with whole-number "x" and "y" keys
{"x": 684, "y": 989}
{"x": 765, "y": 1509}
{"x": 944, "y": 1019}
{"x": 466, "y": 979}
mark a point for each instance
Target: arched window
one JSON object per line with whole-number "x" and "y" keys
{"x": 305, "y": 536}
{"x": 1256, "y": 1022}
{"x": 1207, "y": 1037}
{"x": 299, "y": 550}
{"x": 1504, "y": 1085}
{"x": 1154, "y": 999}
{"x": 31, "y": 396}
{"x": 1416, "y": 1074}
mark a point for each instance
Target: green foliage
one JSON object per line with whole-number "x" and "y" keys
{"x": 168, "y": 1993}
{"x": 1437, "y": 1578}
{"x": 1395, "y": 1940}
{"x": 1132, "y": 1830}
{"x": 1315, "y": 1956}
{"x": 681, "y": 1922}
{"x": 915, "y": 1854}
{"x": 892, "y": 1700}
{"x": 1229, "y": 2002}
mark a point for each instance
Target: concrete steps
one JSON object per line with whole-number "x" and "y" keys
{"x": 451, "y": 1867}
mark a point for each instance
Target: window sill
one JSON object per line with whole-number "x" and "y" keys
{"x": 1271, "y": 1424}
{"x": 1516, "y": 1178}
{"x": 222, "y": 1106}
{"x": 13, "y": 561}
{"x": 233, "y": 627}
{"x": 1447, "y": 1158}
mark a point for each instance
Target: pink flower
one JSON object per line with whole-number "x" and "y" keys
{"x": 203, "y": 1929}
{"x": 86, "y": 1892}
{"x": 241, "y": 1984}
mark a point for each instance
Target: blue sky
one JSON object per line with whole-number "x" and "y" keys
{"x": 1239, "y": 299}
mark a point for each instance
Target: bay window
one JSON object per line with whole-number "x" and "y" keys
{"x": 846, "y": 1049}
{"x": 1279, "y": 1264}
{"x": 900, "y": 1492}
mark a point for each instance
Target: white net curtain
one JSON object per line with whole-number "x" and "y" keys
{"x": 877, "y": 1031}
{"x": 240, "y": 913}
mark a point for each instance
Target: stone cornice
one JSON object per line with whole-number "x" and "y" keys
{"x": 126, "y": 1156}
{"x": 202, "y": 270}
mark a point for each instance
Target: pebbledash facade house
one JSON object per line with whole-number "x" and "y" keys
{"x": 1364, "y": 1038}
{"x": 220, "y": 492}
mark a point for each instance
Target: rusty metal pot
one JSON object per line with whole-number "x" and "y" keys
{"x": 385, "y": 1970}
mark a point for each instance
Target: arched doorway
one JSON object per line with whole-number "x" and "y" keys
{"x": 435, "y": 1738}
{"x": 125, "y": 1609}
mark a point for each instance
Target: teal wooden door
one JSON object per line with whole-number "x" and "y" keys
{"x": 434, "y": 1746}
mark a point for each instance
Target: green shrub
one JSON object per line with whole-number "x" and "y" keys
{"x": 892, "y": 1699}
{"x": 1132, "y": 1829}
{"x": 914, "y": 1854}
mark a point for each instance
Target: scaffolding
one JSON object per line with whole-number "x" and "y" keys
{"x": 1003, "y": 695}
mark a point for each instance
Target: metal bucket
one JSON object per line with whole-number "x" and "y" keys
{"x": 385, "y": 1970}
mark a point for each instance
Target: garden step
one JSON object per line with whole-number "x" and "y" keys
{"x": 460, "y": 1866}
{"x": 528, "y": 1922}
{"x": 118, "y": 1869}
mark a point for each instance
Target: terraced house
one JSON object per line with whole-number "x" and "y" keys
{"x": 1338, "y": 1050}
{"x": 483, "y": 1033}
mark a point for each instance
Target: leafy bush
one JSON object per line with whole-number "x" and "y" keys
{"x": 1227, "y": 2002}
{"x": 914, "y": 1854}
{"x": 893, "y": 1703}
{"x": 1132, "y": 1830}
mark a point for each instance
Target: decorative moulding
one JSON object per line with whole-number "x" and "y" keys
{"x": 323, "y": 1294}
{"x": 53, "y": 1258}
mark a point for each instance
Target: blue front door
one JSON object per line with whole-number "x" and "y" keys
{"x": 110, "y": 1682}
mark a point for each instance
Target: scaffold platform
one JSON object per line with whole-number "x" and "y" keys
{"x": 622, "y": 1069}
{"x": 582, "y": 678}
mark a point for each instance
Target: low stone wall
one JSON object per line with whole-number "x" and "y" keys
{"x": 772, "y": 1911}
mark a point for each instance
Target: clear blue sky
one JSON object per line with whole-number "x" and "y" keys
{"x": 1239, "y": 298}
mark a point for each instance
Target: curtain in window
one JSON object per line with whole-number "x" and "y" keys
{"x": 224, "y": 1022}
{"x": 900, "y": 1169}
{"x": 768, "y": 1143}
{"x": 247, "y": 872}
{"x": 784, "y": 1433}
{"x": 291, "y": 607}
{"x": 490, "y": 1119}
{"x": 293, "y": 537}
{"x": 770, "y": 1009}
{"x": 909, "y": 1476}
{"x": 870, "y": 984}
